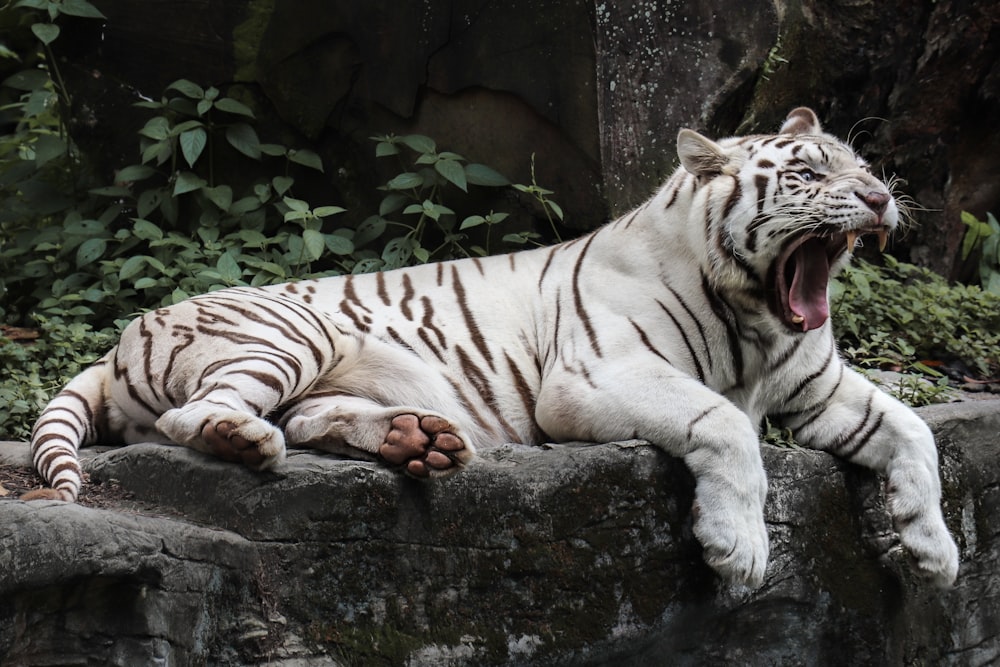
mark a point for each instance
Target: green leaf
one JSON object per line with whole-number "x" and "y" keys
{"x": 397, "y": 252}
{"x": 405, "y": 181}
{"x": 156, "y": 128}
{"x": 47, "y": 148}
{"x": 187, "y": 182}
{"x": 188, "y": 88}
{"x": 146, "y": 230}
{"x": 132, "y": 266}
{"x": 391, "y": 203}
{"x": 229, "y": 268}
{"x": 146, "y": 283}
{"x": 160, "y": 150}
{"x": 454, "y": 172}
{"x": 296, "y": 204}
{"x": 111, "y": 191}
{"x": 314, "y": 244}
{"x": 33, "y": 4}
{"x": 252, "y": 238}
{"x": 45, "y": 32}
{"x": 480, "y": 174}
{"x": 244, "y": 138}
{"x": 89, "y": 251}
{"x": 133, "y": 173}
{"x": 84, "y": 227}
{"x": 274, "y": 150}
{"x": 419, "y": 143}
{"x": 244, "y": 205}
{"x": 81, "y": 8}
{"x": 339, "y": 245}
{"x": 148, "y": 201}
{"x": 370, "y": 229}
{"x": 326, "y": 211}
{"x": 385, "y": 149}
{"x": 472, "y": 221}
{"x": 229, "y": 105}
{"x": 28, "y": 80}
{"x": 555, "y": 208}
{"x": 421, "y": 254}
{"x": 282, "y": 184}
{"x": 204, "y": 106}
{"x": 220, "y": 195}
{"x": 306, "y": 158}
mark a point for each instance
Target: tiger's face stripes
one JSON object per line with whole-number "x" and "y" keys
{"x": 684, "y": 323}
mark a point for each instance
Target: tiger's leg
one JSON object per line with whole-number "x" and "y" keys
{"x": 424, "y": 443}
{"x": 866, "y": 426}
{"x": 680, "y": 415}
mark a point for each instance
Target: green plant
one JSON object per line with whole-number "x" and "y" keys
{"x": 414, "y": 203}
{"x": 983, "y": 234}
{"x": 35, "y": 371}
{"x": 905, "y": 317}
{"x": 916, "y": 389}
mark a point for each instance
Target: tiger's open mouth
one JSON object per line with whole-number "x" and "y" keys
{"x": 798, "y": 279}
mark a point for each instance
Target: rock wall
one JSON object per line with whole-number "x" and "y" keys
{"x": 569, "y": 555}
{"x": 596, "y": 90}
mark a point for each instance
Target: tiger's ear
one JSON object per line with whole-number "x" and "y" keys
{"x": 802, "y": 120}
{"x": 700, "y": 155}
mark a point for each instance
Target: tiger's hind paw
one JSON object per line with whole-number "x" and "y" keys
{"x": 428, "y": 446}
{"x": 230, "y": 435}
{"x": 254, "y": 445}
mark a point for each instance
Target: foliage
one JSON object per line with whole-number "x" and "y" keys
{"x": 414, "y": 203}
{"x": 186, "y": 218}
{"x": 207, "y": 205}
{"x": 909, "y": 318}
{"x": 984, "y": 234}
{"x": 916, "y": 389}
{"x": 35, "y": 371}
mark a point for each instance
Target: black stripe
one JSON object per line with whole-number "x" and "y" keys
{"x": 724, "y": 312}
{"x": 645, "y": 341}
{"x": 470, "y": 322}
{"x": 694, "y": 422}
{"x": 581, "y": 312}
{"x": 687, "y": 342}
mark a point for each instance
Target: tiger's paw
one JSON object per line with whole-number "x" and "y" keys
{"x": 230, "y": 435}
{"x": 932, "y": 549}
{"x": 257, "y": 445}
{"x": 737, "y": 550}
{"x": 427, "y": 446}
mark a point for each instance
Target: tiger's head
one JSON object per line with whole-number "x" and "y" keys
{"x": 784, "y": 213}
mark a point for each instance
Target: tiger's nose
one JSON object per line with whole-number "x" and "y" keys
{"x": 875, "y": 200}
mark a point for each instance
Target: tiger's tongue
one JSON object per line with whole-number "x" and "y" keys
{"x": 807, "y": 294}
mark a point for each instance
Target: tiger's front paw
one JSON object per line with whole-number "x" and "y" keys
{"x": 932, "y": 549}
{"x": 734, "y": 541}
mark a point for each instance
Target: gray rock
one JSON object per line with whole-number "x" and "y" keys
{"x": 566, "y": 555}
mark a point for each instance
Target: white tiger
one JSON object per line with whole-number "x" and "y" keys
{"x": 685, "y": 323}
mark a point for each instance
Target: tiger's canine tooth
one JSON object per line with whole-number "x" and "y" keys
{"x": 852, "y": 238}
{"x": 798, "y": 319}
{"x": 883, "y": 239}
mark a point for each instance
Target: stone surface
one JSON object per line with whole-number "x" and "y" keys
{"x": 566, "y": 555}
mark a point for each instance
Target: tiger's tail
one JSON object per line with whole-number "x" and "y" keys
{"x": 73, "y": 418}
